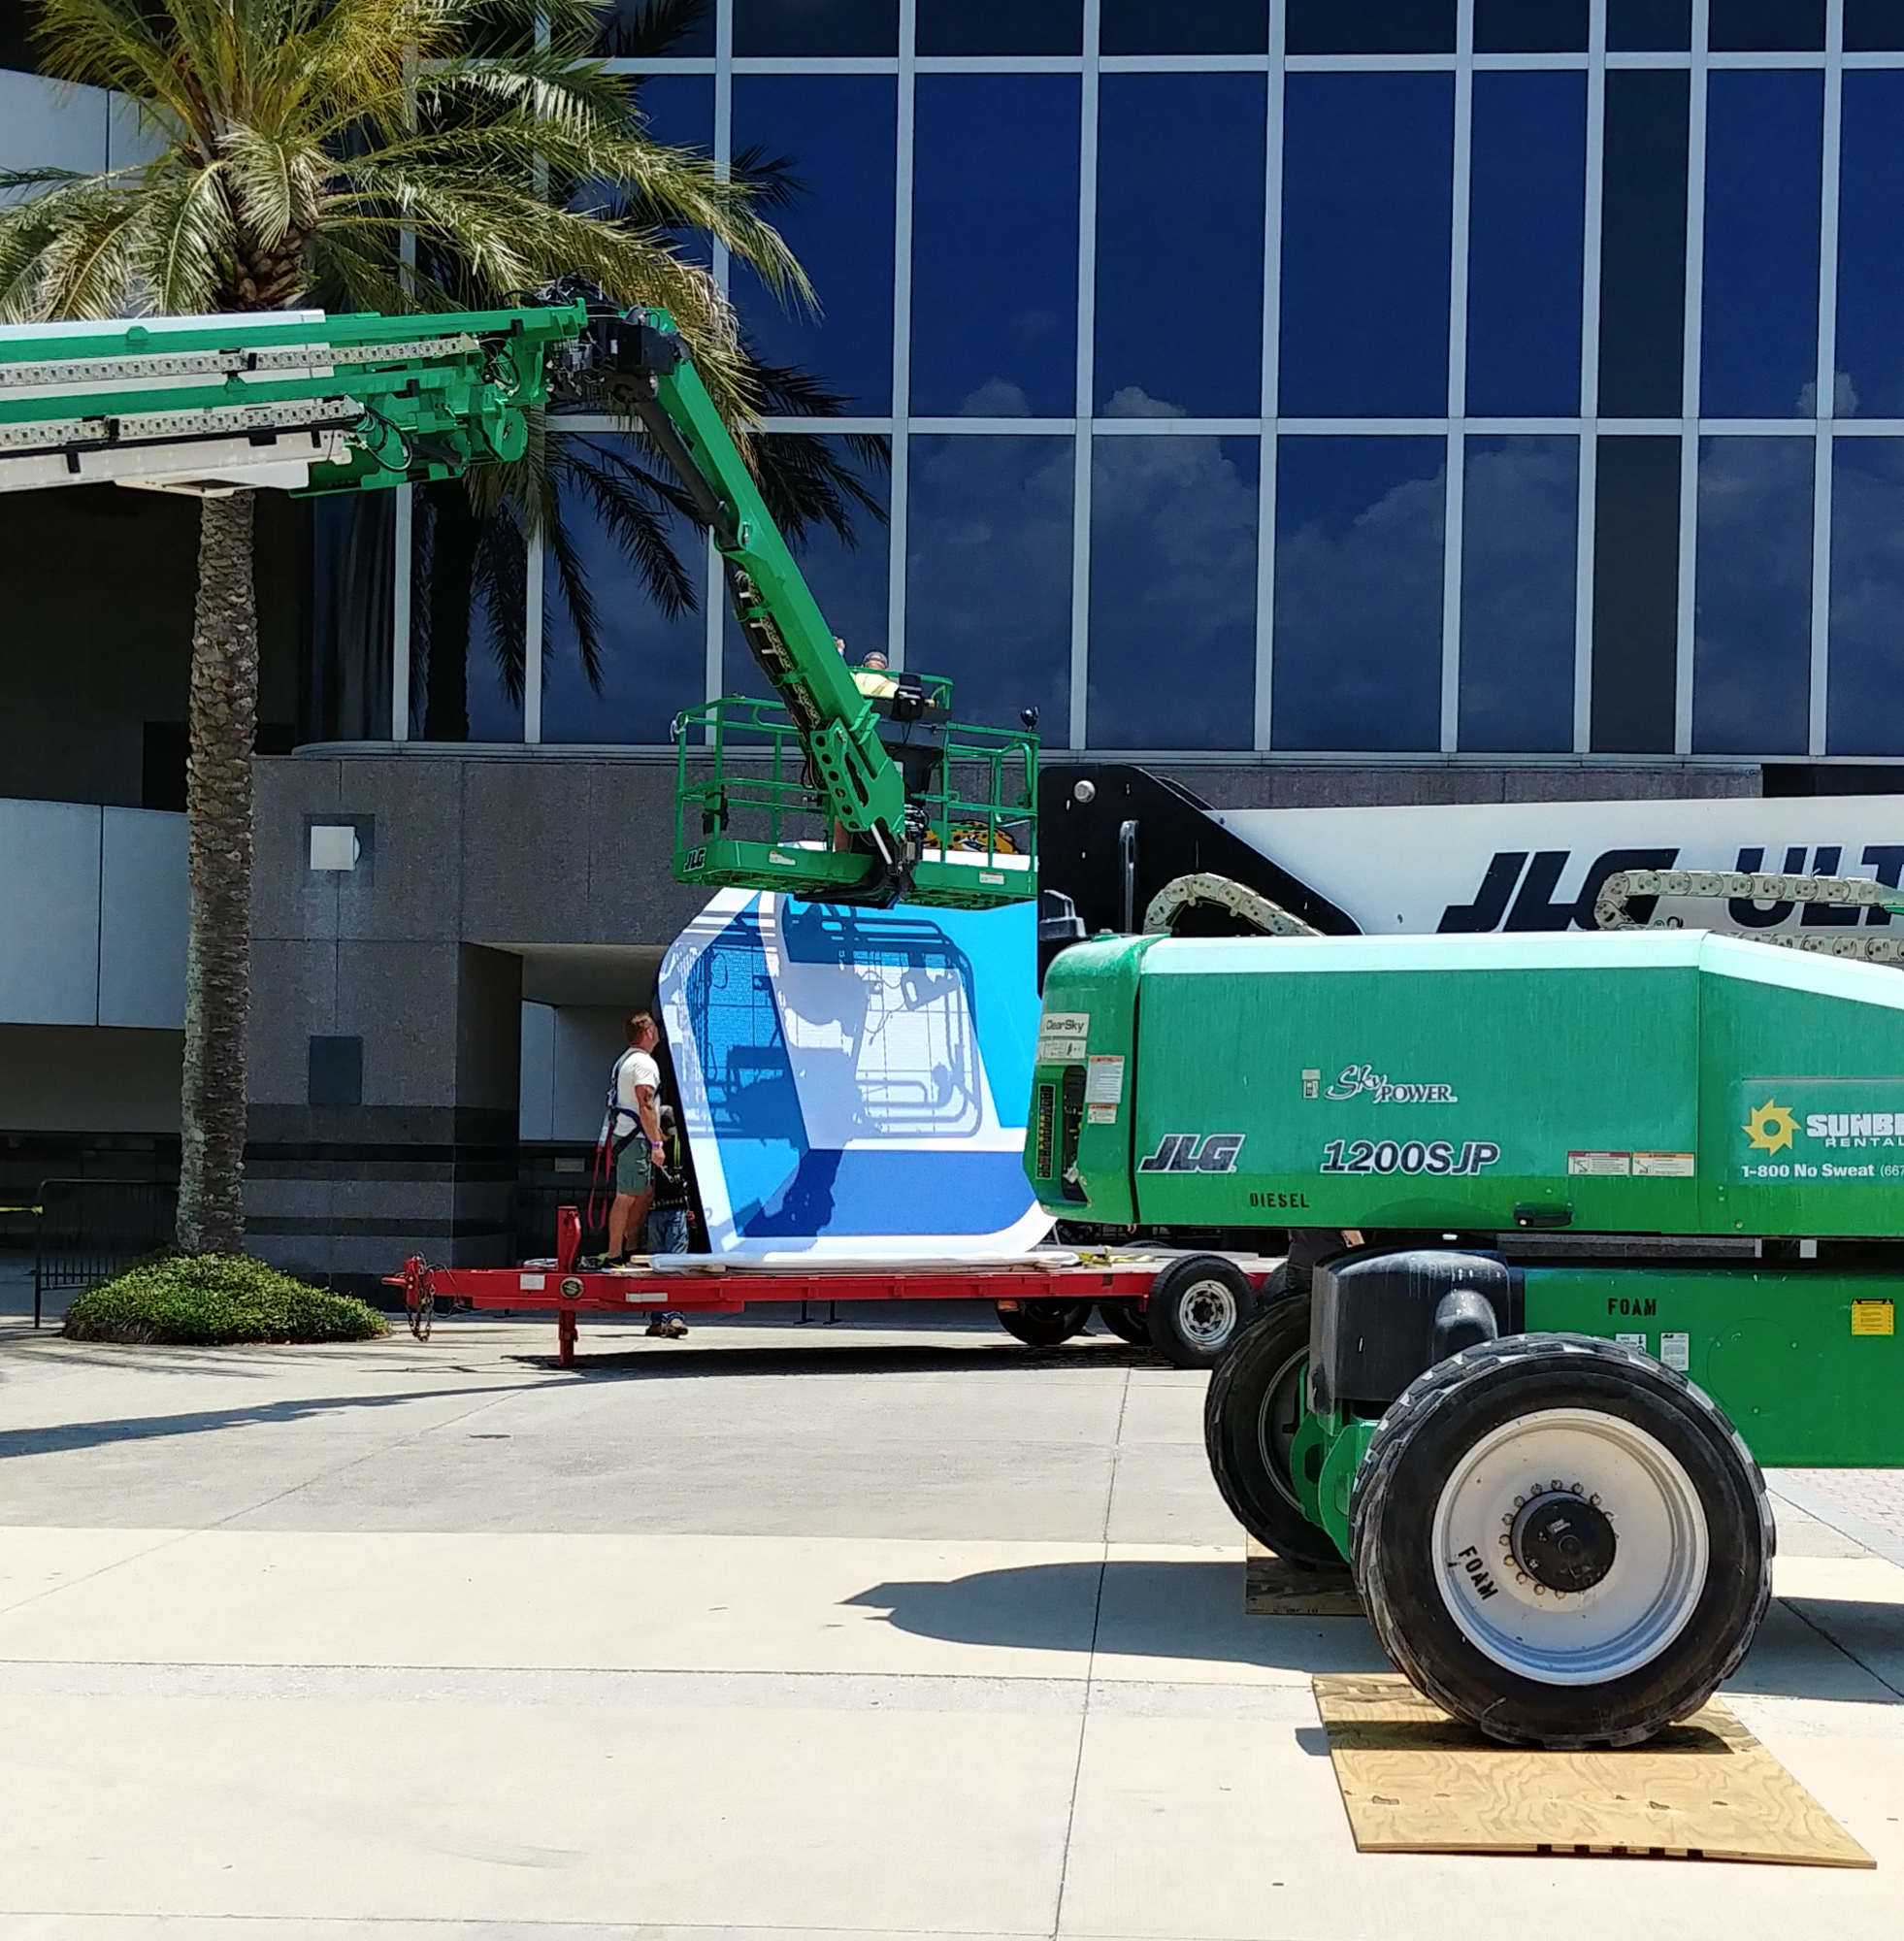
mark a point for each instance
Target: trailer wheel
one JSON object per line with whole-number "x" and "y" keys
{"x": 1250, "y": 1418}
{"x": 1044, "y": 1323}
{"x": 1561, "y": 1541}
{"x": 1127, "y": 1320}
{"x": 1198, "y": 1307}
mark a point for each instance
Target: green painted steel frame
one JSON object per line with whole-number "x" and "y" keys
{"x": 1775, "y": 1347}
{"x": 413, "y": 414}
{"x": 746, "y": 814}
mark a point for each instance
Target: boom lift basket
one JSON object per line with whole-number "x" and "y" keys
{"x": 747, "y": 812}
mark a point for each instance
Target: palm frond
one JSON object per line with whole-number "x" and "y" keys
{"x": 184, "y": 238}
{"x": 572, "y": 578}
{"x": 499, "y": 583}
{"x": 276, "y": 182}
{"x": 88, "y": 267}
{"x": 114, "y": 43}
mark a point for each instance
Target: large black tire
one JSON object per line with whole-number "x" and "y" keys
{"x": 1127, "y": 1320}
{"x": 1198, "y": 1306}
{"x": 1251, "y": 1412}
{"x": 1561, "y": 1541}
{"x": 1046, "y": 1323}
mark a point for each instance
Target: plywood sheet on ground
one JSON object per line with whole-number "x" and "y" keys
{"x": 1273, "y": 1589}
{"x": 1415, "y": 1780}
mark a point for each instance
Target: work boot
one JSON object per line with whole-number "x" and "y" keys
{"x": 670, "y": 1327}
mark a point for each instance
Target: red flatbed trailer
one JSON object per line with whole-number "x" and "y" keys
{"x": 714, "y": 1286}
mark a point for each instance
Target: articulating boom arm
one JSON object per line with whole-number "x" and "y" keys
{"x": 881, "y": 761}
{"x": 650, "y": 372}
{"x": 862, "y": 789}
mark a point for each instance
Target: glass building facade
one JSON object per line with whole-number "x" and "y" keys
{"x": 1486, "y": 378}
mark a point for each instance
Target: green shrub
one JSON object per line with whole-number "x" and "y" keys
{"x": 208, "y": 1300}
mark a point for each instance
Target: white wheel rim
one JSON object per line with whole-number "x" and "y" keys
{"x": 1661, "y": 1547}
{"x": 1274, "y": 1440}
{"x": 1206, "y": 1312}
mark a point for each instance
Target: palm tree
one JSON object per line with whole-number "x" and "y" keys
{"x": 395, "y": 156}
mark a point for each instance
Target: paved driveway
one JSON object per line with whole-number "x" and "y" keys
{"x": 780, "y": 1631}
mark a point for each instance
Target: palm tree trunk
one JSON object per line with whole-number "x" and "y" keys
{"x": 224, "y": 719}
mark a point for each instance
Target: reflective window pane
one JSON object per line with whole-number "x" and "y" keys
{"x": 1764, "y": 141}
{"x": 1520, "y": 545}
{"x": 1752, "y": 628}
{"x": 1648, "y": 26}
{"x": 1530, "y": 27}
{"x": 1527, "y": 217}
{"x": 1370, "y": 27}
{"x": 838, "y": 133}
{"x": 1367, "y": 164}
{"x": 1870, "y": 362}
{"x": 678, "y": 108}
{"x": 1874, "y": 27}
{"x": 847, "y": 578}
{"x": 1866, "y": 666}
{"x": 999, "y": 26}
{"x": 1180, "y": 175}
{"x": 1359, "y": 568}
{"x": 815, "y": 27}
{"x": 1172, "y": 592}
{"x": 633, "y": 29}
{"x": 353, "y": 579}
{"x": 994, "y": 245}
{"x": 1635, "y": 595}
{"x": 617, "y": 662}
{"x": 1766, "y": 26}
{"x": 988, "y": 589}
{"x": 1643, "y": 244}
{"x": 1184, "y": 28}
{"x": 466, "y": 624}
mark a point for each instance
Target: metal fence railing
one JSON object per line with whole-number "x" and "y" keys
{"x": 87, "y": 1229}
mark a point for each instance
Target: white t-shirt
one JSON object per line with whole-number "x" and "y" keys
{"x": 633, "y": 1071}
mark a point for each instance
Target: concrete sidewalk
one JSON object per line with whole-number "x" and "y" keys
{"x": 779, "y": 1630}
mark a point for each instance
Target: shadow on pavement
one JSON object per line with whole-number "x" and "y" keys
{"x": 1869, "y": 1634}
{"x": 1125, "y": 1607}
{"x": 666, "y": 1360}
{"x": 69, "y": 1436}
{"x": 1194, "y": 1610}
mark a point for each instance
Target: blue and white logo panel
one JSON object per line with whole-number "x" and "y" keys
{"x": 853, "y": 1082}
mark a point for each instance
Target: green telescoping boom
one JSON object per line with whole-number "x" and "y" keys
{"x": 851, "y": 786}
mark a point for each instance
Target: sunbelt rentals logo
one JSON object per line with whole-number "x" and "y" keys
{"x": 1843, "y": 1129}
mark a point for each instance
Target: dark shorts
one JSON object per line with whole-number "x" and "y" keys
{"x": 634, "y": 1167}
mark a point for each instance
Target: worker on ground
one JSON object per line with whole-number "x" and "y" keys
{"x": 631, "y": 1128}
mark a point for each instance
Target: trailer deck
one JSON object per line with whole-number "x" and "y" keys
{"x": 699, "y": 1284}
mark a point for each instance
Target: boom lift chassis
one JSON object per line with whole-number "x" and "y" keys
{"x": 1575, "y": 1255}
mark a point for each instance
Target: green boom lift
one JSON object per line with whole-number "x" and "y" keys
{"x": 851, "y": 786}
{"x": 1582, "y": 1228}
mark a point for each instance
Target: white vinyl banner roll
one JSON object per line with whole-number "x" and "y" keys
{"x": 1539, "y": 865}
